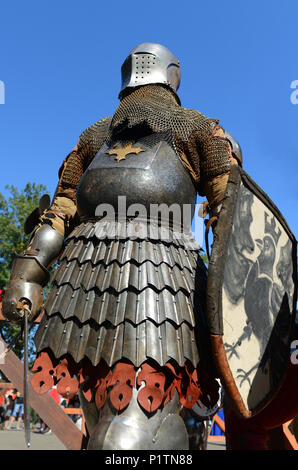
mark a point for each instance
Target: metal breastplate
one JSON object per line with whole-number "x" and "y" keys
{"x": 145, "y": 174}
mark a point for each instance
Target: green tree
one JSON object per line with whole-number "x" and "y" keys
{"x": 205, "y": 258}
{"x": 13, "y": 212}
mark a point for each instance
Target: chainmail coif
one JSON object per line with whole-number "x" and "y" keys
{"x": 157, "y": 106}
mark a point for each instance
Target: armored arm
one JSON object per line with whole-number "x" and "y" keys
{"x": 30, "y": 270}
{"x": 29, "y": 273}
{"x": 219, "y": 152}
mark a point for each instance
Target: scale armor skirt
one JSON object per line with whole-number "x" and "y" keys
{"x": 123, "y": 299}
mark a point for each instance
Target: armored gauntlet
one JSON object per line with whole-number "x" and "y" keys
{"x": 30, "y": 273}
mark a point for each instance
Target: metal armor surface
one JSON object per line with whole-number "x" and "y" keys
{"x": 150, "y": 63}
{"x": 133, "y": 299}
{"x": 189, "y": 129}
{"x": 132, "y": 430}
{"x": 115, "y": 297}
{"x": 47, "y": 243}
{"x": 29, "y": 272}
{"x": 136, "y": 302}
{"x": 149, "y": 172}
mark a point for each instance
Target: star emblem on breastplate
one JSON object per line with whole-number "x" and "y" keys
{"x": 122, "y": 152}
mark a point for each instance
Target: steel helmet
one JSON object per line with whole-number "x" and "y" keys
{"x": 150, "y": 63}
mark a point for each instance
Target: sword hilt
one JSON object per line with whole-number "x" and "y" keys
{"x": 24, "y": 306}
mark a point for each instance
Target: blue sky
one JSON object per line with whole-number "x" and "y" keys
{"x": 60, "y": 63}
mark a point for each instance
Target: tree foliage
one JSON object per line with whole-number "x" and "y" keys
{"x": 204, "y": 258}
{"x": 13, "y": 212}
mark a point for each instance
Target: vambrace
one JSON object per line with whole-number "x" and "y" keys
{"x": 45, "y": 246}
{"x": 29, "y": 273}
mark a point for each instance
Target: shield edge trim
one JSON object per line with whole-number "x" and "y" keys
{"x": 215, "y": 281}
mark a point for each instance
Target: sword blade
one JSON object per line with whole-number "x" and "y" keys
{"x": 26, "y": 385}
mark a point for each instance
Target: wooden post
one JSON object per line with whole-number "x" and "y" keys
{"x": 76, "y": 411}
{"x": 220, "y": 423}
{"x": 290, "y": 440}
{"x": 49, "y": 411}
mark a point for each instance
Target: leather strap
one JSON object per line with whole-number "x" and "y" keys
{"x": 210, "y": 223}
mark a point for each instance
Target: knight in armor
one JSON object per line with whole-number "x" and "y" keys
{"x": 123, "y": 324}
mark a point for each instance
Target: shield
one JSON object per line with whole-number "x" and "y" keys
{"x": 251, "y": 294}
